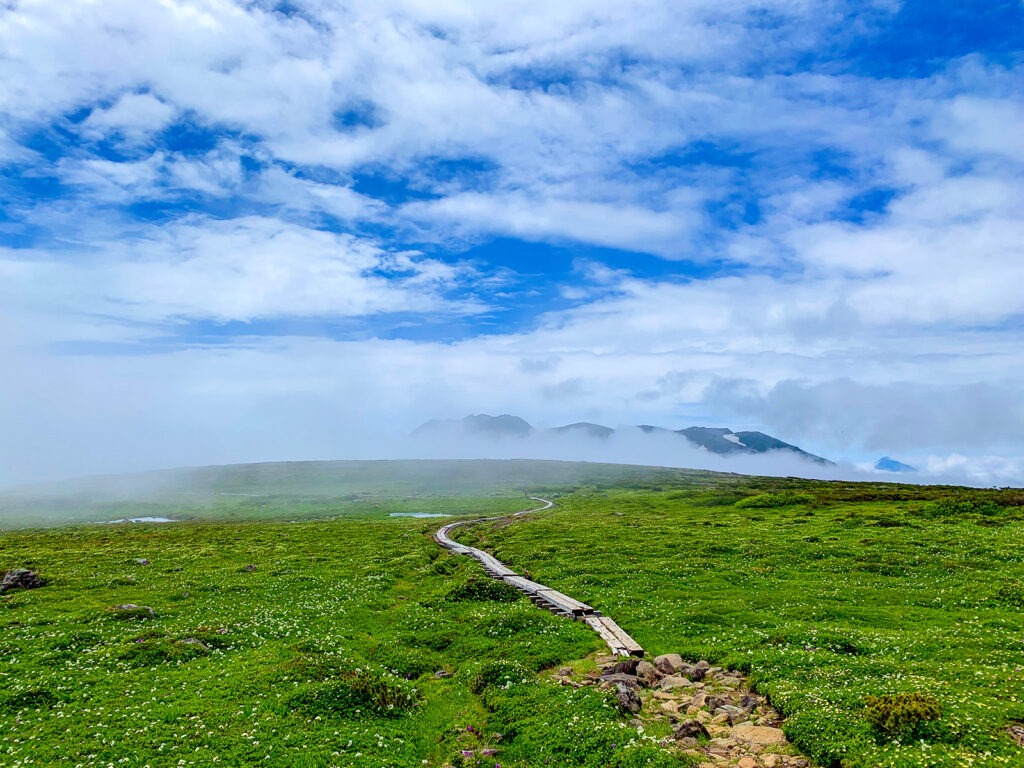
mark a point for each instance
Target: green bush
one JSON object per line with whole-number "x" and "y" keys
{"x": 357, "y": 693}
{"x": 902, "y": 714}
{"x": 483, "y": 589}
{"x": 501, "y": 673}
{"x": 774, "y": 500}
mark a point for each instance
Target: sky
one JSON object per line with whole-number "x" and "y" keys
{"x": 257, "y": 230}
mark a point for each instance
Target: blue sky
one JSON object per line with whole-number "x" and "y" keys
{"x": 256, "y": 230}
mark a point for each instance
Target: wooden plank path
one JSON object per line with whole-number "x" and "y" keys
{"x": 620, "y": 643}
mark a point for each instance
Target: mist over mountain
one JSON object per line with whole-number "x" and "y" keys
{"x": 889, "y": 464}
{"x": 718, "y": 440}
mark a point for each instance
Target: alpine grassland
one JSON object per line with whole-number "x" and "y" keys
{"x": 285, "y": 625}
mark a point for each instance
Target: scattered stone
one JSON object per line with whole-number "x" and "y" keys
{"x": 620, "y": 679}
{"x": 669, "y": 663}
{"x": 249, "y": 568}
{"x": 133, "y": 611}
{"x": 1016, "y": 732}
{"x": 624, "y": 667}
{"x": 21, "y": 578}
{"x": 690, "y": 729}
{"x": 194, "y": 642}
{"x": 746, "y": 762}
{"x": 648, "y": 674}
{"x": 141, "y": 561}
{"x": 441, "y": 674}
{"x": 759, "y": 734}
{"x": 670, "y": 707}
{"x": 628, "y": 699}
{"x": 565, "y": 672}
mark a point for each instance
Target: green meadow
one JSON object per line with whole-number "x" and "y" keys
{"x": 304, "y": 625}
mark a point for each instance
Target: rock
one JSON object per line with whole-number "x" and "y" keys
{"x": 692, "y": 729}
{"x": 669, "y": 663}
{"x": 672, "y": 682}
{"x": 620, "y": 679}
{"x": 648, "y": 674}
{"x": 670, "y": 707}
{"x": 133, "y": 611}
{"x": 694, "y": 672}
{"x": 770, "y": 761}
{"x": 749, "y": 703}
{"x": 687, "y": 741}
{"x": 441, "y": 674}
{"x": 1016, "y": 732}
{"x": 141, "y": 561}
{"x": 735, "y": 714}
{"x": 746, "y": 762}
{"x": 193, "y": 641}
{"x": 627, "y": 698}
{"x": 21, "y": 578}
{"x": 624, "y": 667}
{"x": 249, "y": 568}
{"x": 699, "y": 700}
{"x": 565, "y": 672}
{"x": 716, "y": 702}
{"x": 758, "y": 734}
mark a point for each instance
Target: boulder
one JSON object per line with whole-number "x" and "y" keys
{"x": 672, "y": 682}
{"x": 690, "y": 729}
{"x": 627, "y": 698}
{"x": 624, "y": 667}
{"x": 648, "y": 674}
{"x": 758, "y": 734}
{"x": 133, "y": 611}
{"x": 21, "y": 578}
{"x": 669, "y": 663}
{"x": 193, "y": 641}
{"x": 620, "y": 679}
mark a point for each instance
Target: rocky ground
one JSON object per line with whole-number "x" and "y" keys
{"x": 713, "y": 713}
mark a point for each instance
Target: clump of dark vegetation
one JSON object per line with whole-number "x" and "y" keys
{"x": 359, "y": 692}
{"x": 501, "y": 673}
{"x": 154, "y": 648}
{"x": 774, "y": 500}
{"x": 902, "y": 714}
{"x": 479, "y": 588}
{"x": 33, "y": 698}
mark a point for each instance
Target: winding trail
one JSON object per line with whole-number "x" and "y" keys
{"x": 617, "y": 640}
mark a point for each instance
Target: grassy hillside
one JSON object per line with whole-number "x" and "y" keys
{"x": 824, "y": 594}
{"x": 318, "y": 643}
{"x": 315, "y": 489}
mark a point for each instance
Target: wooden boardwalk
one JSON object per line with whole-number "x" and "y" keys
{"x": 620, "y": 643}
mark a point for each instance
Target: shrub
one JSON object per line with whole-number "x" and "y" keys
{"x": 774, "y": 500}
{"x": 482, "y": 589}
{"x": 902, "y": 714}
{"x": 358, "y": 692}
{"x": 501, "y": 673}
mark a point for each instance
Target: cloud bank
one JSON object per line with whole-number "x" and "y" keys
{"x": 235, "y": 231}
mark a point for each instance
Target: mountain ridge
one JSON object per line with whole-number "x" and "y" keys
{"x": 719, "y": 440}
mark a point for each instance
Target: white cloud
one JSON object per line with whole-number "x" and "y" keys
{"x": 236, "y": 270}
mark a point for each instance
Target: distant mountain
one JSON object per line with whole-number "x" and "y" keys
{"x": 481, "y": 425}
{"x": 718, "y": 440}
{"x": 888, "y": 464}
{"x": 585, "y": 428}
